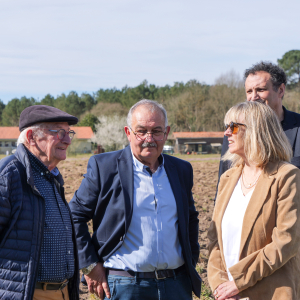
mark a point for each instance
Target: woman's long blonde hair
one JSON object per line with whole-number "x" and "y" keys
{"x": 264, "y": 139}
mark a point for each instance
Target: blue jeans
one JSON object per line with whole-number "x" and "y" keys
{"x": 128, "y": 288}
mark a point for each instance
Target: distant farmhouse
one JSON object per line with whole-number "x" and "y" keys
{"x": 198, "y": 142}
{"x": 8, "y": 139}
{"x": 80, "y": 144}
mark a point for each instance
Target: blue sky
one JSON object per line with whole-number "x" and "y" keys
{"x": 62, "y": 45}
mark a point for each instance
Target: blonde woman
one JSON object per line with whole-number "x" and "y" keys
{"x": 255, "y": 231}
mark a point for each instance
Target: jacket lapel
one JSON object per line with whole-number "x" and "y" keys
{"x": 176, "y": 188}
{"x": 226, "y": 187}
{"x": 125, "y": 170}
{"x": 289, "y": 126}
{"x": 291, "y": 135}
{"x": 257, "y": 200}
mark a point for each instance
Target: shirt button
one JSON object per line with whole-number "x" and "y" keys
{"x": 69, "y": 252}
{"x": 42, "y": 173}
{"x": 67, "y": 227}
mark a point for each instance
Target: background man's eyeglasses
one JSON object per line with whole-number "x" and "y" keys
{"x": 141, "y": 135}
{"x": 234, "y": 127}
{"x": 61, "y": 133}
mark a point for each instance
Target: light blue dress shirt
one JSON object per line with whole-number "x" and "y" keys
{"x": 151, "y": 242}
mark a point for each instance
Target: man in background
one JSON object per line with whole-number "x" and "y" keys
{"x": 266, "y": 82}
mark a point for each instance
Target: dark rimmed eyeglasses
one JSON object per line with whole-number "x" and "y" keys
{"x": 61, "y": 133}
{"x": 142, "y": 135}
{"x": 234, "y": 127}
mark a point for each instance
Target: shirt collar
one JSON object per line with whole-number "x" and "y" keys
{"x": 55, "y": 171}
{"x": 40, "y": 167}
{"x": 140, "y": 166}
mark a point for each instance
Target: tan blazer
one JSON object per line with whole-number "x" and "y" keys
{"x": 269, "y": 266}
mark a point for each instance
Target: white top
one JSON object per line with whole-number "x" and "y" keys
{"x": 232, "y": 223}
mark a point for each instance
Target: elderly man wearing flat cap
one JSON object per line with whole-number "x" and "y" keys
{"x": 38, "y": 255}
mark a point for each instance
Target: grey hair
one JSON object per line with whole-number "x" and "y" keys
{"x": 36, "y": 128}
{"x": 153, "y": 106}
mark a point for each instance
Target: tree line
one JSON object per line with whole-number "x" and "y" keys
{"x": 78, "y": 104}
{"x": 191, "y": 106}
{"x": 71, "y": 103}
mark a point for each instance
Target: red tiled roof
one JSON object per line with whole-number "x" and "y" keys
{"x": 84, "y": 132}
{"x": 201, "y": 134}
{"x": 12, "y": 133}
{"x": 9, "y": 133}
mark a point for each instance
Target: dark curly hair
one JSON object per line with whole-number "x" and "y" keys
{"x": 277, "y": 74}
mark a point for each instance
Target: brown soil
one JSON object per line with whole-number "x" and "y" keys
{"x": 205, "y": 180}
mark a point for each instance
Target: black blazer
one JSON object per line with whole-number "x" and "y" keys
{"x": 105, "y": 196}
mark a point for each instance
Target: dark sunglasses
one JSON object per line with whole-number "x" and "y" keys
{"x": 234, "y": 127}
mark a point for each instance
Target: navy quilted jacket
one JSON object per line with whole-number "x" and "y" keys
{"x": 22, "y": 216}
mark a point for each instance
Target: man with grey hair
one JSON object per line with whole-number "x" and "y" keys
{"x": 145, "y": 226}
{"x": 38, "y": 254}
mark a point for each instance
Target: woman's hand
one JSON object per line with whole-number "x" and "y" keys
{"x": 226, "y": 290}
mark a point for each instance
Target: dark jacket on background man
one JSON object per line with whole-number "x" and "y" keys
{"x": 22, "y": 218}
{"x": 291, "y": 127}
{"x": 106, "y": 194}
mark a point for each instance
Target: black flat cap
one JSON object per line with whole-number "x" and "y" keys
{"x": 44, "y": 113}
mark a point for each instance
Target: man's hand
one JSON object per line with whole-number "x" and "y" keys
{"x": 226, "y": 291}
{"x": 97, "y": 282}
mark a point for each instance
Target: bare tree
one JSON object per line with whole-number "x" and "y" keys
{"x": 232, "y": 79}
{"x": 227, "y": 91}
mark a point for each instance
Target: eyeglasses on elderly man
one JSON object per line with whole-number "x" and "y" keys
{"x": 61, "y": 133}
{"x": 142, "y": 135}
